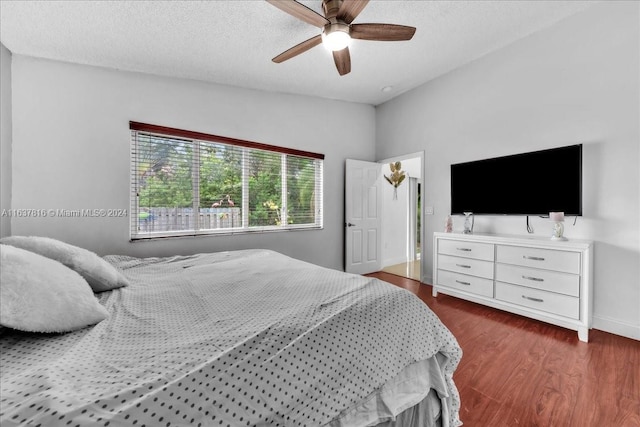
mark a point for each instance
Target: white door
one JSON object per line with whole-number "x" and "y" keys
{"x": 363, "y": 209}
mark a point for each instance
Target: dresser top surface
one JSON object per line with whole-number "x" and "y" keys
{"x": 518, "y": 240}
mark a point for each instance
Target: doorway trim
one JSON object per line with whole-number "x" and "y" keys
{"x": 420, "y": 155}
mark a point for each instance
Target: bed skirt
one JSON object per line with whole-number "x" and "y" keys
{"x": 425, "y": 414}
{"x": 416, "y": 397}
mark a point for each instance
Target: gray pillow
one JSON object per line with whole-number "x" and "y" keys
{"x": 38, "y": 294}
{"x": 100, "y": 275}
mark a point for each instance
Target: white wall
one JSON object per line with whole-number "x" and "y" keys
{"x": 575, "y": 82}
{"x": 5, "y": 140}
{"x": 71, "y": 151}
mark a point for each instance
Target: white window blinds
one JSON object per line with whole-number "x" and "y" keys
{"x": 189, "y": 183}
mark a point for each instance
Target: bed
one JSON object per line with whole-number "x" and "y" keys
{"x": 239, "y": 338}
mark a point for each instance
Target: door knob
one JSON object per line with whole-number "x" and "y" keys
{"x": 350, "y": 225}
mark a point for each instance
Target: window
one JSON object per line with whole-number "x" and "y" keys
{"x": 187, "y": 183}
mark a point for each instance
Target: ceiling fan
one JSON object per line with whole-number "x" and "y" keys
{"x": 337, "y": 29}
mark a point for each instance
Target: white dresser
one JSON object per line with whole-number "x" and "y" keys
{"x": 535, "y": 277}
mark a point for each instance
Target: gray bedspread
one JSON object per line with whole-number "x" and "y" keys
{"x": 242, "y": 338}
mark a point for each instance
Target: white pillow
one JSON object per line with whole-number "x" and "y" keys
{"x": 38, "y": 294}
{"x": 100, "y": 275}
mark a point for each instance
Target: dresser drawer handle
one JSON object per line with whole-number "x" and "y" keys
{"x": 464, "y": 249}
{"x": 534, "y": 258}
{"x": 533, "y": 299}
{"x": 463, "y": 266}
{"x": 463, "y": 283}
{"x": 535, "y": 279}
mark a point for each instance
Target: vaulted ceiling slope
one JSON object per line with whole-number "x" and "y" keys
{"x": 233, "y": 42}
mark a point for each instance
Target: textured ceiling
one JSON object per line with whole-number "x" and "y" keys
{"x": 232, "y": 42}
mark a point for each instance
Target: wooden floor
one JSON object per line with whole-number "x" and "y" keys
{"x": 517, "y": 371}
{"x": 406, "y": 269}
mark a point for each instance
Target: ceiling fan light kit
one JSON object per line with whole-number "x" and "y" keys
{"x": 337, "y": 29}
{"x": 336, "y": 36}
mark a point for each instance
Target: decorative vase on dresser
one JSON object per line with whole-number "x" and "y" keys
{"x": 543, "y": 279}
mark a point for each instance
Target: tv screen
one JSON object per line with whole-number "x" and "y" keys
{"x": 534, "y": 183}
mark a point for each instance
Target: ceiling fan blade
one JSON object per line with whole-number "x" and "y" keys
{"x": 300, "y": 11}
{"x": 350, "y": 9}
{"x": 382, "y": 32}
{"x": 342, "y": 58}
{"x": 298, "y": 49}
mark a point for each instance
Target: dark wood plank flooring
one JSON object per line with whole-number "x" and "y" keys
{"x": 517, "y": 371}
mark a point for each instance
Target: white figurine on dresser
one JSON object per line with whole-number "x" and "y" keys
{"x": 539, "y": 278}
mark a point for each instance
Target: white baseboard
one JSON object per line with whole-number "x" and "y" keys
{"x": 617, "y": 327}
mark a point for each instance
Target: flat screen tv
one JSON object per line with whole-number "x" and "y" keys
{"x": 533, "y": 183}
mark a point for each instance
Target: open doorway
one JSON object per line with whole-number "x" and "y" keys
{"x": 402, "y": 219}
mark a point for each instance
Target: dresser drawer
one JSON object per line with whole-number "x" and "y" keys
{"x": 468, "y": 266}
{"x": 484, "y": 251}
{"x": 562, "y": 305}
{"x": 554, "y": 281}
{"x": 549, "y": 259}
{"x": 463, "y": 282}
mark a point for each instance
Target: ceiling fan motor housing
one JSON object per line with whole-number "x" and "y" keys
{"x": 331, "y": 8}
